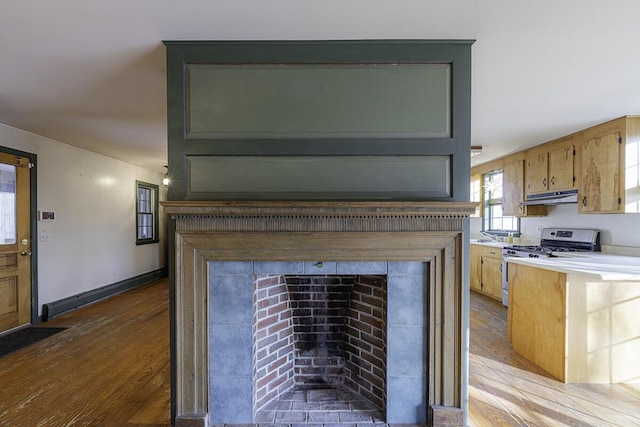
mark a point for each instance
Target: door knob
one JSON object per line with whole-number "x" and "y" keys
{"x": 25, "y": 253}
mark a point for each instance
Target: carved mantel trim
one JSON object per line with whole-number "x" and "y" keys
{"x": 341, "y": 231}
{"x": 206, "y": 208}
{"x": 318, "y": 216}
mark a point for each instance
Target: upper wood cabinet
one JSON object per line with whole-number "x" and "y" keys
{"x": 601, "y": 187}
{"x": 561, "y": 165}
{"x": 602, "y": 163}
{"x": 537, "y": 171}
{"x": 513, "y": 191}
{"x": 550, "y": 167}
{"x": 605, "y": 177}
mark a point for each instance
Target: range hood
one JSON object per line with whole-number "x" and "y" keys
{"x": 553, "y": 198}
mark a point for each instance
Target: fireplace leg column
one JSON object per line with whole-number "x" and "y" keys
{"x": 192, "y": 370}
{"x": 445, "y": 324}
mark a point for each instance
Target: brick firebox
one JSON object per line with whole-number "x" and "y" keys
{"x": 319, "y": 330}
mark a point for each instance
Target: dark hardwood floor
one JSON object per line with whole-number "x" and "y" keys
{"x": 111, "y": 368}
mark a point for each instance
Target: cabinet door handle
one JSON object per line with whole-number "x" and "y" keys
{"x": 544, "y": 182}
{"x": 584, "y": 201}
{"x": 553, "y": 180}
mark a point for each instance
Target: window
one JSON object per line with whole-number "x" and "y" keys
{"x": 146, "y": 213}
{"x": 632, "y": 178}
{"x": 475, "y": 194}
{"x": 7, "y": 204}
{"x": 494, "y": 221}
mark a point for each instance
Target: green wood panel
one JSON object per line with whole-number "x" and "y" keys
{"x": 319, "y": 177}
{"x": 321, "y": 100}
{"x": 194, "y": 131}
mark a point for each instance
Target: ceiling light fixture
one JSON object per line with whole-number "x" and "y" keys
{"x": 475, "y": 150}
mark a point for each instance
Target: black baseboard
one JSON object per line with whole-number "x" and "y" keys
{"x": 64, "y": 305}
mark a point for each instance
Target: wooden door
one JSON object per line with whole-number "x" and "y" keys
{"x": 513, "y": 188}
{"x": 513, "y": 192}
{"x": 15, "y": 242}
{"x": 561, "y": 168}
{"x": 537, "y": 172}
{"x": 492, "y": 275}
{"x": 600, "y": 169}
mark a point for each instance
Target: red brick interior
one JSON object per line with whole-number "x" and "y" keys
{"x": 273, "y": 355}
{"x": 311, "y": 330}
{"x": 366, "y": 347}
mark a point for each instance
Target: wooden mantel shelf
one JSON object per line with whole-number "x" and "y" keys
{"x": 214, "y": 208}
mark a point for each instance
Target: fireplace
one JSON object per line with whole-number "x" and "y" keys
{"x": 411, "y": 252}
{"x": 311, "y": 331}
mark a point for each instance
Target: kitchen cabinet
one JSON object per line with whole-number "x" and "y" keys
{"x": 601, "y": 158}
{"x": 513, "y": 191}
{"x": 577, "y": 327}
{"x": 536, "y": 315}
{"x": 561, "y": 166}
{"x": 595, "y": 162}
{"x": 537, "y": 171}
{"x": 550, "y": 167}
{"x": 486, "y": 270}
{"x": 602, "y": 165}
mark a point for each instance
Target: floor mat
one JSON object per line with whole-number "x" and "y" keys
{"x": 24, "y": 337}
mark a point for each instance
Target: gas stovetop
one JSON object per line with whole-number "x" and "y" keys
{"x": 523, "y": 251}
{"x": 558, "y": 240}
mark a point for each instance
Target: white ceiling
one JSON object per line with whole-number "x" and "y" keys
{"x": 92, "y": 73}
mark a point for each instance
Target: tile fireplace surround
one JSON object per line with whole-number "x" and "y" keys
{"x": 214, "y": 239}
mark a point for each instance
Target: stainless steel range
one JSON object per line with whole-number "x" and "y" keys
{"x": 552, "y": 240}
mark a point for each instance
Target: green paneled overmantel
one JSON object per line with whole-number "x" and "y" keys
{"x": 319, "y": 120}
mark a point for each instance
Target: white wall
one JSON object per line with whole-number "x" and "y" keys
{"x": 92, "y": 241}
{"x": 619, "y": 233}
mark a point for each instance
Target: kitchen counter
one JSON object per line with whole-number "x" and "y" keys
{"x": 594, "y": 265}
{"x": 490, "y": 243}
{"x": 575, "y": 315}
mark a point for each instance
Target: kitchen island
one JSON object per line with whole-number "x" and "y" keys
{"x": 577, "y": 317}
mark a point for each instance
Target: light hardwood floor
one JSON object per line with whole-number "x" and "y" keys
{"x": 111, "y": 368}
{"x": 507, "y": 390}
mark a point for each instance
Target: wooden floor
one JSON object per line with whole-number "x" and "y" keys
{"x": 111, "y": 368}
{"x": 507, "y": 390}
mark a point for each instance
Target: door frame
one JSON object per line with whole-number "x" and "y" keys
{"x": 33, "y": 226}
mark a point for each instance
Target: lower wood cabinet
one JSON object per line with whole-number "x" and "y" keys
{"x": 537, "y": 313}
{"x": 578, "y": 328}
{"x": 486, "y": 270}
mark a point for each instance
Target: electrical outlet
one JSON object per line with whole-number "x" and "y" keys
{"x": 45, "y": 236}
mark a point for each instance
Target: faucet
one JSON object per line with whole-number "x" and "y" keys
{"x": 493, "y": 237}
